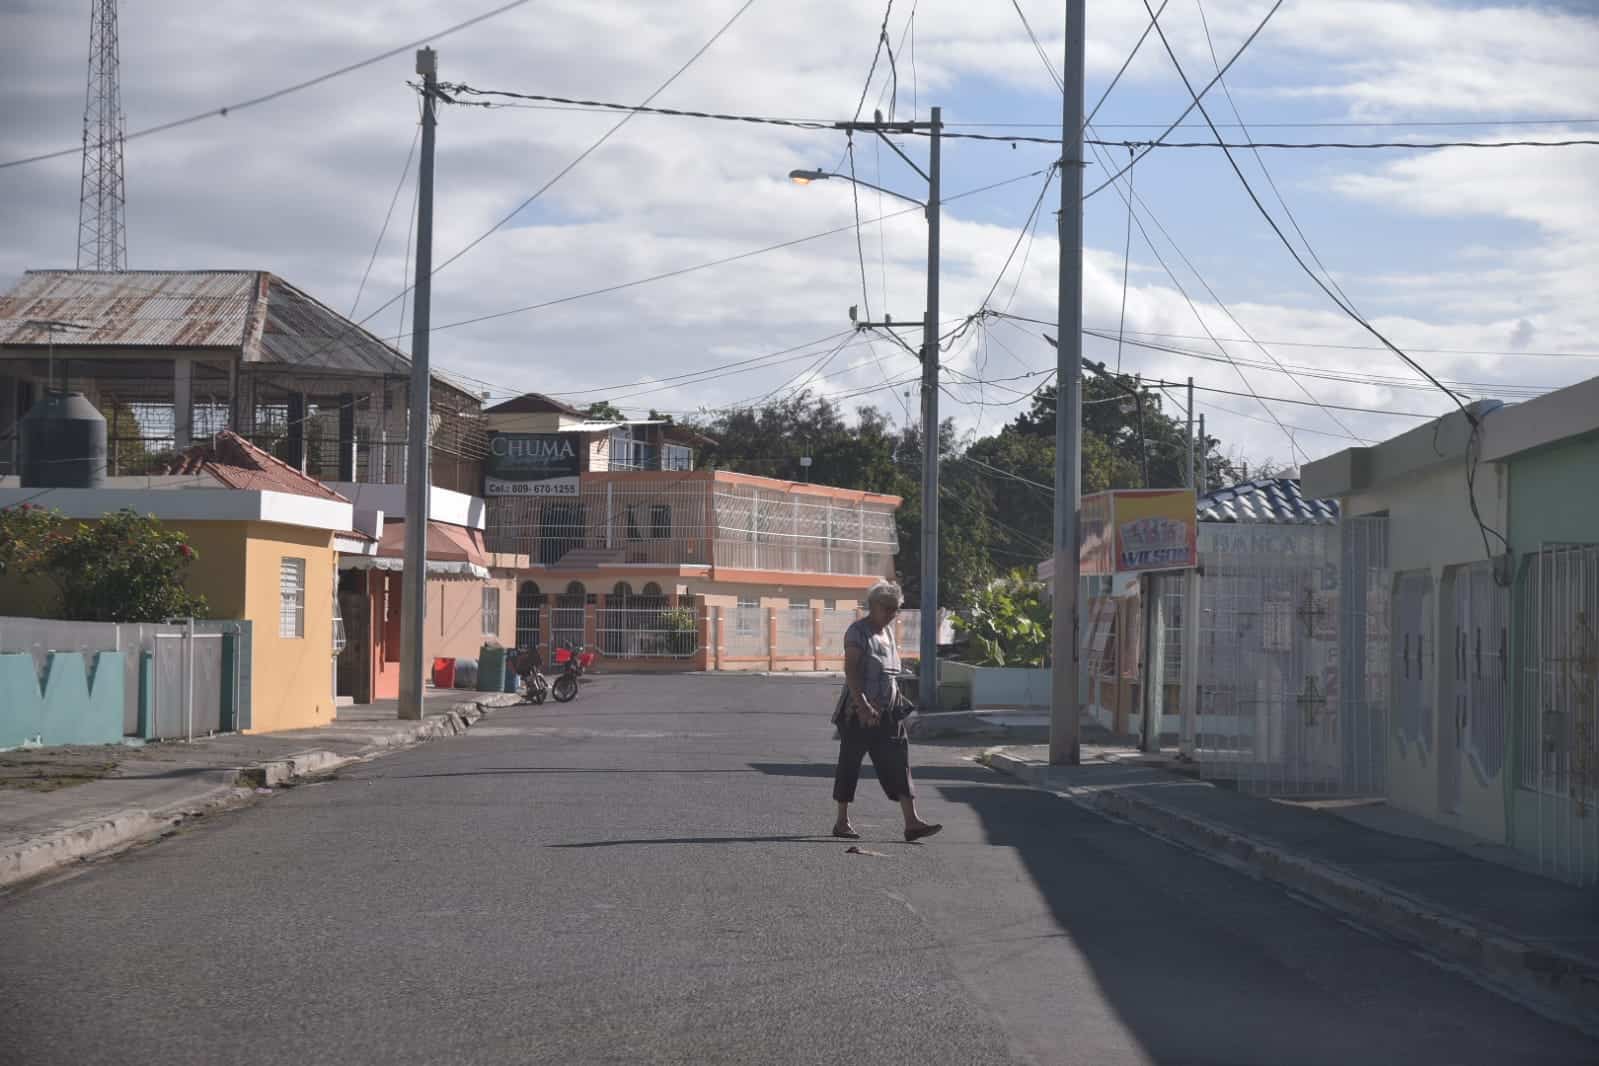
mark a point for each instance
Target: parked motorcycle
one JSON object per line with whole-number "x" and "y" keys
{"x": 535, "y": 686}
{"x": 573, "y": 661}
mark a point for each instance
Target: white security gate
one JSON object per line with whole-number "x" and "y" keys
{"x": 1413, "y": 650}
{"x": 1365, "y": 595}
{"x": 1559, "y": 705}
{"x": 1477, "y": 683}
{"x": 1268, "y": 702}
{"x": 566, "y": 623}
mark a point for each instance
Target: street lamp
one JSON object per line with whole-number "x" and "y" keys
{"x": 928, "y": 674}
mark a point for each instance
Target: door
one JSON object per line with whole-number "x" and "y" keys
{"x": 1456, "y": 692}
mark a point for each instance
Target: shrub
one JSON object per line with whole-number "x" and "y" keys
{"x": 125, "y": 567}
{"x": 1009, "y": 623}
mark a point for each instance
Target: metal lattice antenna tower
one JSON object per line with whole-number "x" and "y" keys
{"x": 102, "y": 234}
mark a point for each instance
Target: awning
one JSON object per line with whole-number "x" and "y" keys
{"x": 452, "y": 551}
{"x": 435, "y": 568}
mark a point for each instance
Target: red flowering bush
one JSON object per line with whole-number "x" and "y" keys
{"x": 124, "y": 568}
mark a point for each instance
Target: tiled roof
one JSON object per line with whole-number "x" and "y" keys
{"x": 1268, "y": 501}
{"x": 534, "y": 403}
{"x": 238, "y": 464}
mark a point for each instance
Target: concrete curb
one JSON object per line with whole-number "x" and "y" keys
{"x": 227, "y": 789}
{"x": 1563, "y": 986}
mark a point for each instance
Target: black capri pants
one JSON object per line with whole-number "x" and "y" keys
{"x": 887, "y": 744}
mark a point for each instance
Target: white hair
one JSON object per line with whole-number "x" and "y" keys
{"x": 884, "y": 592}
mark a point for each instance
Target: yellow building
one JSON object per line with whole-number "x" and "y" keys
{"x": 264, "y": 537}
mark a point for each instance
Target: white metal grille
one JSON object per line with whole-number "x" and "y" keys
{"x": 644, "y": 627}
{"x": 1365, "y": 597}
{"x": 566, "y": 623}
{"x": 291, "y": 598}
{"x": 830, "y": 633}
{"x": 794, "y": 633}
{"x": 1479, "y": 681}
{"x": 1267, "y": 708}
{"x": 1559, "y": 708}
{"x": 746, "y": 632}
{"x": 1413, "y": 661}
{"x": 529, "y": 604}
{"x": 491, "y": 612}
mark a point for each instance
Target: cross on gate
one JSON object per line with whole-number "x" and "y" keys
{"x": 1310, "y": 611}
{"x": 1311, "y": 700}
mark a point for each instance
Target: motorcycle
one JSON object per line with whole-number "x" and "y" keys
{"x": 573, "y": 661}
{"x": 535, "y": 686}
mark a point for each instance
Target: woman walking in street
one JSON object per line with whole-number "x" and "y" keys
{"x": 871, "y": 716}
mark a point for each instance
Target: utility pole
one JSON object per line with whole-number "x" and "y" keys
{"x": 1204, "y": 457}
{"x": 927, "y": 674}
{"x": 927, "y": 687}
{"x": 1188, "y": 471}
{"x": 418, "y": 478}
{"x": 1064, "y": 741}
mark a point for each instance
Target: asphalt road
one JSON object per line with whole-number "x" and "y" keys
{"x": 640, "y": 877}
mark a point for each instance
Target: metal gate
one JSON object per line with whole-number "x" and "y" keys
{"x": 529, "y": 603}
{"x": 566, "y": 623}
{"x": 1365, "y": 597}
{"x": 1559, "y": 704}
{"x": 1268, "y": 701}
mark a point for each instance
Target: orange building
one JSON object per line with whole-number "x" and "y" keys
{"x": 631, "y": 549}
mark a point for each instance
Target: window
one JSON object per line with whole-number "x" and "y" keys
{"x": 632, "y": 523}
{"x": 491, "y": 612}
{"x": 677, "y": 457}
{"x": 291, "y": 598}
{"x": 660, "y": 521}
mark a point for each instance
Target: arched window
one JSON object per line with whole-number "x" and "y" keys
{"x": 575, "y": 588}
{"x": 652, "y": 589}
{"x": 623, "y": 590}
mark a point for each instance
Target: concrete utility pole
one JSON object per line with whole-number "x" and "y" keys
{"x": 413, "y": 598}
{"x": 1188, "y": 470}
{"x": 1064, "y": 741}
{"x": 1204, "y": 457}
{"x": 927, "y": 676}
{"x": 927, "y": 687}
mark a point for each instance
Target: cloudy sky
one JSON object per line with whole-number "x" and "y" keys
{"x": 1479, "y": 262}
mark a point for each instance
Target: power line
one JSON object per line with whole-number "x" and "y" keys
{"x": 1155, "y": 23}
{"x": 405, "y": 172}
{"x": 460, "y": 89}
{"x": 1255, "y": 199}
{"x": 228, "y": 109}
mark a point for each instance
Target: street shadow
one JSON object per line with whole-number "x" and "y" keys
{"x": 512, "y": 770}
{"x": 918, "y": 773}
{"x": 812, "y": 838}
{"x": 1200, "y": 964}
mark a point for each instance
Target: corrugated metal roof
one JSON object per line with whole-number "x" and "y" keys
{"x": 1267, "y": 501}
{"x": 255, "y": 312}
{"x": 161, "y": 308}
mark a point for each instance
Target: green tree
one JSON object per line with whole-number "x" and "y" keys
{"x": 1008, "y": 623}
{"x": 604, "y": 411}
{"x": 123, "y": 568}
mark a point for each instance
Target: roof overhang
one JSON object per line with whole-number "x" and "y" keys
{"x": 1549, "y": 419}
{"x": 190, "y": 504}
{"x": 1431, "y": 444}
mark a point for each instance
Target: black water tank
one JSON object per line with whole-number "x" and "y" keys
{"x": 63, "y": 443}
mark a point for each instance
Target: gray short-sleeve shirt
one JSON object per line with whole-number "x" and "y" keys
{"x": 879, "y": 660}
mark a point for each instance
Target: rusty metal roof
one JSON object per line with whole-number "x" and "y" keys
{"x": 191, "y": 309}
{"x": 254, "y": 312}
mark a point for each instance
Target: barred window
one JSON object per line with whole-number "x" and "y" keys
{"x": 491, "y": 612}
{"x": 291, "y": 598}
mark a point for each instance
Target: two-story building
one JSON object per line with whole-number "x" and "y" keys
{"x": 617, "y": 515}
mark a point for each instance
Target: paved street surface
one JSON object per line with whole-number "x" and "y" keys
{"x": 640, "y": 877}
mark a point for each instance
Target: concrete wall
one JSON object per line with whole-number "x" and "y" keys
{"x": 1552, "y": 497}
{"x": 454, "y": 624}
{"x": 292, "y": 677}
{"x": 78, "y": 700}
{"x": 1431, "y": 530}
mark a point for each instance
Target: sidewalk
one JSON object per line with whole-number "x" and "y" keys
{"x": 1470, "y": 904}
{"x": 61, "y": 805}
